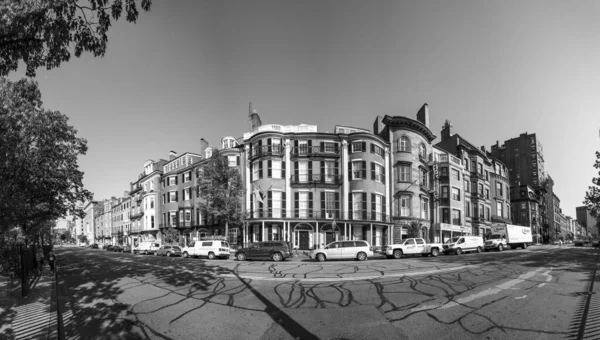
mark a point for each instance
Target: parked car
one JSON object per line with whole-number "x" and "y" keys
{"x": 108, "y": 247}
{"x": 168, "y": 251}
{"x": 412, "y": 246}
{"x": 360, "y": 250}
{"x": 595, "y": 243}
{"x": 146, "y": 247}
{"x": 463, "y": 244}
{"x": 273, "y": 250}
{"x": 207, "y": 248}
{"x": 94, "y": 246}
{"x": 117, "y": 248}
{"x": 127, "y": 248}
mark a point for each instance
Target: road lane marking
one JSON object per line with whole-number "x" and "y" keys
{"x": 520, "y": 297}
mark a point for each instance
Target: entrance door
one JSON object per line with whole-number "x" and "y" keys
{"x": 328, "y": 238}
{"x": 303, "y": 240}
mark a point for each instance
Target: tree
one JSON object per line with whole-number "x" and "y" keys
{"x": 40, "y": 177}
{"x": 46, "y": 33}
{"x": 414, "y": 230}
{"x": 171, "y": 235}
{"x": 82, "y": 238}
{"x": 221, "y": 190}
{"x": 592, "y": 196}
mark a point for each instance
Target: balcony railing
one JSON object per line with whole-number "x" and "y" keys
{"x": 476, "y": 174}
{"x": 316, "y": 179}
{"x": 137, "y": 215}
{"x": 267, "y": 150}
{"x": 180, "y": 224}
{"x": 360, "y": 215}
{"x": 135, "y": 189}
{"x": 314, "y": 151}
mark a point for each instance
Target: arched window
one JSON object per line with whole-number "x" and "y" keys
{"x": 422, "y": 151}
{"x": 404, "y": 144}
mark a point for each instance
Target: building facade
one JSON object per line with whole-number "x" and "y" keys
{"x": 525, "y": 205}
{"x": 89, "y": 228}
{"x": 586, "y": 220}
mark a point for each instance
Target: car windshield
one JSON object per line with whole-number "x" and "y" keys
{"x": 495, "y": 236}
{"x": 453, "y": 240}
{"x": 176, "y": 248}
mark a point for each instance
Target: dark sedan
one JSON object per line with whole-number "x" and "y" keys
{"x": 272, "y": 250}
{"x": 117, "y": 248}
{"x": 168, "y": 251}
{"x": 108, "y": 247}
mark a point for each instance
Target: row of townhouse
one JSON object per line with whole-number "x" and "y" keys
{"x": 310, "y": 187}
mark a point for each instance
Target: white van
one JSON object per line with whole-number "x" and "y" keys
{"x": 207, "y": 248}
{"x": 463, "y": 244}
{"x": 146, "y": 247}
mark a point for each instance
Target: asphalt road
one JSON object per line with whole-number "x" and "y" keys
{"x": 538, "y": 293}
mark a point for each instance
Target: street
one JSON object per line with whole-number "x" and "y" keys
{"x": 539, "y": 293}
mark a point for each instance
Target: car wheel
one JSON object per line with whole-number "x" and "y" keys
{"x": 241, "y": 256}
{"x": 321, "y": 257}
{"x": 458, "y": 251}
{"x": 211, "y": 256}
{"x": 155, "y": 253}
{"x": 277, "y": 257}
{"x": 397, "y": 254}
{"x": 435, "y": 252}
{"x": 478, "y": 249}
{"x": 500, "y": 247}
{"x": 361, "y": 256}
{"x": 185, "y": 254}
{"x": 145, "y": 252}
{"x": 168, "y": 254}
{"x": 524, "y": 246}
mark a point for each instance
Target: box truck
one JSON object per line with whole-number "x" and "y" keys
{"x": 504, "y": 235}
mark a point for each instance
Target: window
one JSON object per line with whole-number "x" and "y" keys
{"x": 357, "y": 147}
{"x": 404, "y": 203}
{"x": 303, "y": 147}
{"x": 186, "y": 194}
{"x": 445, "y": 215}
{"x": 404, "y": 173}
{"x": 487, "y": 193}
{"x": 378, "y": 151}
{"x": 523, "y": 205}
{"x": 329, "y": 203}
{"x": 378, "y": 205}
{"x": 172, "y": 180}
{"x": 444, "y": 171}
{"x": 444, "y": 191}
{"x": 473, "y": 165}
{"x": 480, "y": 189}
{"x": 480, "y": 167}
{"x": 424, "y": 208}
{"x": 456, "y": 174}
{"x": 181, "y": 216}
{"x": 487, "y": 175}
{"x": 187, "y": 177}
{"x": 357, "y": 205}
{"x": 232, "y": 161}
{"x": 423, "y": 177}
{"x": 188, "y": 216}
{"x": 276, "y": 169}
{"x": 455, "y": 194}
{"x": 255, "y": 171}
{"x": 357, "y": 170}
{"x": 404, "y": 144}
{"x": 422, "y": 151}
{"x": 481, "y": 211}
{"x": 303, "y": 197}
{"x": 151, "y": 202}
{"x": 303, "y": 171}
{"x": 172, "y": 196}
{"x": 329, "y": 147}
{"x": 468, "y": 209}
{"x": 498, "y": 189}
{"x": 487, "y": 213}
{"x": 379, "y": 173}
{"x": 276, "y": 203}
{"x": 467, "y": 186}
{"x": 466, "y": 162}
{"x": 172, "y": 218}
{"x": 456, "y": 217}
{"x": 499, "y": 209}
{"x": 329, "y": 171}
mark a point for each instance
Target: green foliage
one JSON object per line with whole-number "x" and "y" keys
{"x": 592, "y": 196}
{"x": 46, "y": 33}
{"x": 40, "y": 177}
{"x": 171, "y": 235}
{"x": 414, "y": 230}
{"x": 82, "y": 238}
{"x": 221, "y": 190}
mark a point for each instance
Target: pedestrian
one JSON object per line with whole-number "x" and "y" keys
{"x": 39, "y": 255}
{"x": 51, "y": 259}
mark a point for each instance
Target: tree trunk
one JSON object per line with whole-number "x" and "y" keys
{"x": 226, "y": 230}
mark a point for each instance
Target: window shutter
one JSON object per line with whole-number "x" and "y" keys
{"x": 269, "y": 167}
{"x": 337, "y": 205}
{"x": 372, "y": 171}
{"x": 296, "y": 170}
{"x": 261, "y": 209}
{"x": 176, "y": 196}
{"x": 372, "y": 148}
{"x": 237, "y": 161}
{"x": 183, "y": 177}
{"x": 269, "y": 141}
{"x": 260, "y": 169}
{"x": 269, "y": 203}
{"x": 296, "y": 145}
{"x": 383, "y": 210}
{"x": 364, "y": 169}
{"x": 252, "y": 207}
{"x": 322, "y": 171}
{"x": 296, "y": 204}
{"x": 350, "y": 206}
{"x": 310, "y": 164}
{"x": 364, "y": 205}
{"x": 283, "y": 170}
{"x": 364, "y": 147}
{"x": 164, "y": 199}
{"x": 383, "y": 174}
{"x": 310, "y": 204}
{"x": 323, "y": 207}
{"x": 283, "y": 206}
{"x": 322, "y": 147}
{"x": 270, "y": 233}
{"x": 309, "y": 146}
{"x": 349, "y": 171}
{"x": 175, "y": 180}
{"x": 373, "y": 207}
{"x": 336, "y": 169}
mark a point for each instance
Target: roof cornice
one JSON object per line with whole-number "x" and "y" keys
{"x": 409, "y": 124}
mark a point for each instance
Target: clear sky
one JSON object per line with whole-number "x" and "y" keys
{"x": 188, "y": 69}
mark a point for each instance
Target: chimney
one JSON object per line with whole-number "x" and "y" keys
{"x": 203, "y": 145}
{"x": 172, "y": 155}
{"x": 446, "y": 130}
{"x": 254, "y": 118}
{"x": 423, "y": 115}
{"x": 483, "y": 148}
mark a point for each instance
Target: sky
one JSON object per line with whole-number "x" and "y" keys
{"x": 188, "y": 69}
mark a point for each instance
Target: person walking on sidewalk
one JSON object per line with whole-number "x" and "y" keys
{"x": 51, "y": 259}
{"x": 39, "y": 256}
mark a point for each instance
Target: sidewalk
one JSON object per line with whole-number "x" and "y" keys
{"x": 32, "y": 317}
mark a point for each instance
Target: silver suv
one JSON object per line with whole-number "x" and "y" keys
{"x": 360, "y": 250}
